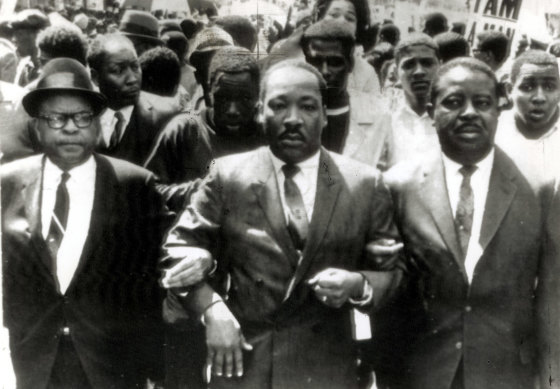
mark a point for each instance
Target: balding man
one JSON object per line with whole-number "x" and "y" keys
{"x": 289, "y": 225}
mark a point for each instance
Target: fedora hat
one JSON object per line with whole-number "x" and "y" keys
{"x": 140, "y": 24}
{"x": 63, "y": 75}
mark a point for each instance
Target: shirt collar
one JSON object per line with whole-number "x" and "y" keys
{"x": 83, "y": 173}
{"x": 483, "y": 166}
{"x": 404, "y": 109}
{"x": 310, "y": 163}
{"x": 109, "y": 114}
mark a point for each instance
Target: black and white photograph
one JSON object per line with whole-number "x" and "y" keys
{"x": 280, "y": 194}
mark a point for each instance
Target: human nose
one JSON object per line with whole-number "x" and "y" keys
{"x": 419, "y": 70}
{"x": 539, "y": 97}
{"x": 132, "y": 76}
{"x": 325, "y": 71}
{"x": 70, "y": 126}
{"x": 232, "y": 111}
{"x": 293, "y": 117}
{"x": 469, "y": 112}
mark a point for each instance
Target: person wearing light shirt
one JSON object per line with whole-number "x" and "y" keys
{"x": 289, "y": 225}
{"x": 413, "y": 135}
{"x": 80, "y": 246}
{"x": 529, "y": 133}
{"x": 472, "y": 226}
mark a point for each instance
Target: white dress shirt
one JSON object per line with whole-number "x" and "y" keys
{"x": 109, "y": 121}
{"x": 413, "y": 135}
{"x": 480, "y": 181}
{"x": 305, "y": 179}
{"x": 81, "y": 188}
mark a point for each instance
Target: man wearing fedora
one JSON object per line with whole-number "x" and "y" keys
{"x": 133, "y": 119}
{"x": 142, "y": 28}
{"x": 80, "y": 238}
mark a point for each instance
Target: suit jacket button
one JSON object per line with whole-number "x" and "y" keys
{"x": 66, "y": 331}
{"x": 459, "y": 345}
{"x": 468, "y": 308}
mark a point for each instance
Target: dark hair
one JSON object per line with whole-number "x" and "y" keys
{"x": 390, "y": 33}
{"x": 241, "y": 30}
{"x": 161, "y": 71}
{"x": 452, "y": 45}
{"x": 472, "y": 64}
{"x": 61, "y": 41}
{"x": 362, "y": 15}
{"x": 415, "y": 39}
{"x": 435, "y": 23}
{"x": 330, "y": 30}
{"x": 535, "y": 57}
{"x": 233, "y": 59}
{"x": 177, "y": 42}
{"x": 381, "y": 53}
{"x": 554, "y": 48}
{"x": 495, "y": 42}
{"x": 96, "y": 52}
{"x": 298, "y": 64}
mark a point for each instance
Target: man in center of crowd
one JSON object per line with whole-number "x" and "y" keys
{"x": 289, "y": 225}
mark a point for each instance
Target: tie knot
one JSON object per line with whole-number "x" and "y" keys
{"x": 119, "y": 116}
{"x": 64, "y": 177}
{"x": 467, "y": 170}
{"x": 290, "y": 171}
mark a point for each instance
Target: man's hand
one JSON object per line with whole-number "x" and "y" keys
{"x": 383, "y": 252}
{"x": 333, "y": 287}
{"x": 225, "y": 341}
{"x": 191, "y": 266}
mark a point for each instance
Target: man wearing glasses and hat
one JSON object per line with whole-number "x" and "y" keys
{"x": 80, "y": 241}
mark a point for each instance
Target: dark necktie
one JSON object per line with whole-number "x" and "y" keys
{"x": 117, "y": 132}
{"x": 465, "y": 208}
{"x": 298, "y": 224}
{"x": 59, "y": 218}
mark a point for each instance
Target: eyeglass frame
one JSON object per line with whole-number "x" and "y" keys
{"x": 48, "y": 118}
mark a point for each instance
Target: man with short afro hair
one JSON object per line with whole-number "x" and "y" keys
{"x": 452, "y": 45}
{"x": 529, "y": 132}
{"x": 357, "y": 124}
{"x": 161, "y": 71}
{"x": 61, "y": 41}
{"x": 241, "y": 30}
{"x": 492, "y": 48}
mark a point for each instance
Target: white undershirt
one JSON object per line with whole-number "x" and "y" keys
{"x": 108, "y": 122}
{"x": 81, "y": 188}
{"x": 480, "y": 181}
{"x": 305, "y": 179}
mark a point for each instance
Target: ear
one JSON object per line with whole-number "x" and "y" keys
{"x": 94, "y": 76}
{"x": 430, "y": 109}
{"x": 34, "y": 127}
{"x": 325, "y": 117}
{"x": 259, "y": 113}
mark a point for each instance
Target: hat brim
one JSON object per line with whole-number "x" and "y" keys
{"x": 32, "y": 101}
{"x": 144, "y": 37}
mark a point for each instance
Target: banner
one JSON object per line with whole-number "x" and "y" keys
{"x": 499, "y": 15}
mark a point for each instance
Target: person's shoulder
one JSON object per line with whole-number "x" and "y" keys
{"x": 123, "y": 170}
{"x": 245, "y": 160}
{"x": 164, "y": 106}
{"x": 350, "y": 169}
{"x": 410, "y": 172}
{"x": 21, "y": 168}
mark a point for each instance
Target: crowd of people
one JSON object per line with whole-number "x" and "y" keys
{"x": 219, "y": 202}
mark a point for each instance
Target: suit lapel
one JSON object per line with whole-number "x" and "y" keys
{"x": 328, "y": 189}
{"x": 268, "y": 196}
{"x": 32, "y": 198}
{"x": 436, "y": 200}
{"x": 501, "y": 192}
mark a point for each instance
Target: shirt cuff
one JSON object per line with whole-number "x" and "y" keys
{"x": 367, "y": 295}
{"x": 184, "y": 293}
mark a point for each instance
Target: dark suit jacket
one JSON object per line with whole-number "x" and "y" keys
{"x": 549, "y": 300}
{"x": 490, "y": 324}
{"x": 113, "y": 304}
{"x": 237, "y": 214}
{"x": 148, "y": 118}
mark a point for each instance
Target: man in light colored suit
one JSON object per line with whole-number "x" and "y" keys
{"x": 472, "y": 227}
{"x": 358, "y": 123}
{"x": 288, "y": 226}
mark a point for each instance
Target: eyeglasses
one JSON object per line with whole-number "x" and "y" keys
{"x": 57, "y": 121}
